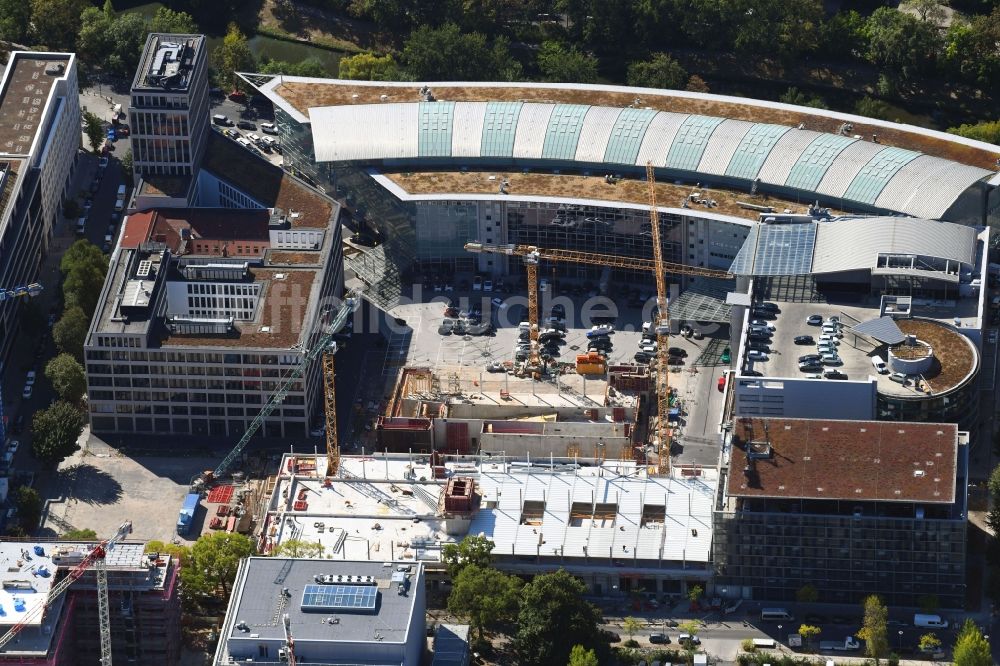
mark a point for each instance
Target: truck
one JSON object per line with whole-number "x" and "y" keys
{"x": 186, "y": 516}
{"x": 850, "y": 643}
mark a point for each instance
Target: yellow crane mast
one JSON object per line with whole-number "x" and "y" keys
{"x": 330, "y": 407}
{"x": 662, "y": 328}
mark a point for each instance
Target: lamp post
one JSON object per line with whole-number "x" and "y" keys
{"x": 899, "y": 646}
{"x": 779, "y": 633}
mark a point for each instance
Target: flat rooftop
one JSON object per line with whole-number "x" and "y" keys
{"x": 626, "y": 190}
{"x": 174, "y": 187}
{"x": 845, "y": 460}
{"x": 956, "y": 357}
{"x": 267, "y": 184}
{"x": 310, "y": 93}
{"x": 381, "y": 510}
{"x": 27, "y": 83}
{"x": 167, "y": 62}
{"x": 260, "y": 603}
{"x": 27, "y": 577}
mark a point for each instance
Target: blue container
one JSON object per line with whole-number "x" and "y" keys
{"x": 39, "y": 551}
{"x": 19, "y": 605}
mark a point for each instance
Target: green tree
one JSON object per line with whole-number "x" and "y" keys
{"x": 308, "y": 67}
{"x": 929, "y": 643}
{"x": 126, "y": 36}
{"x": 82, "y": 287}
{"x": 795, "y": 96}
{"x": 472, "y": 550}
{"x": 809, "y": 632}
{"x": 94, "y": 129}
{"x": 807, "y": 594}
{"x": 182, "y": 553}
{"x": 971, "y": 647}
{"x": 232, "y": 56}
{"x": 690, "y": 627}
{"x": 553, "y": 618}
{"x": 167, "y": 20}
{"x": 927, "y": 10}
{"x": 213, "y": 563}
{"x": 70, "y": 332}
{"x": 581, "y": 656}
{"x": 85, "y": 534}
{"x": 872, "y": 108}
{"x": 901, "y": 43}
{"x": 988, "y": 131}
{"x": 694, "y": 593}
{"x": 55, "y": 22}
{"x": 566, "y": 64}
{"x": 29, "y": 508}
{"x": 81, "y": 253}
{"x": 299, "y": 548}
{"x": 660, "y": 71}
{"x": 873, "y": 628}
{"x": 631, "y": 625}
{"x": 67, "y": 377}
{"x": 843, "y": 35}
{"x": 447, "y": 54}
{"x": 55, "y": 431}
{"x": 15, "y": 19}
{"x": 368, "y": 67}
{"x": 484, "y": 596}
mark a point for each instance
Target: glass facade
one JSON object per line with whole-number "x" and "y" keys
{"x": 846, "y": 550}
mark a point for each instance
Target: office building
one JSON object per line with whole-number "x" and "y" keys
{"x": 39, "y": 140}
{"x": 851, "y": 508}
{"x": 168, "y": 114}
{"x": 320, "y": 611}
{"x": 143, "y": 597}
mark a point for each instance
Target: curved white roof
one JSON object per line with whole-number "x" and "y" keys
{"x": 834, "y": 166}
{"x": 851, "y": 244}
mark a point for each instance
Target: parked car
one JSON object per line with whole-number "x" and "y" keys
{"x": 477, "y": 283}
{"x": 602, "y": 329}
{"x": 102, "y": 163}
{"x": 691, "y": 639}
{"x": 832, "y": 359}
{"x": 762, "y": 323}
{"x": 806, "y": 358}
{"x": 755, "y": 355}
{"x": 810, "y": 367}
{"x": 834, "y": 374}
{"x": 268, "y": 128}
{"x": 246, "y": 125}
{"x": 487, "y": 285}
{"x": 495, "y": 366}
{"x": 677, "y": 351}
{"x": 814, "y": 320}
{"x": 659, "y": 639}
{"x": 26, "y": 393}
{"x": 726, "y": 355}
{"x": 804, "y": 340}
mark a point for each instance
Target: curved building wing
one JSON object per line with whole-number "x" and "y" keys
{"x": 833, "y": 167}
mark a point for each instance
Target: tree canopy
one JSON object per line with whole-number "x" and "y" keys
{"x": 485, "y": 597}
{"x": 554, "y": 618}
{"x": 55, "y": 22}
{"x": 93, "y": 127}
{"x": 84, "y": 267}
{"x": 85, "y": 534}
{"x": 448, "y": 54}
{"x": 874, "y": 628}
{"x": 70, "y": 332}
{"x": 971, "y": 647}
{"x": 472, "y": 550}
{"x": 660, "y": 71}
{"x": 15, "y": 20}
{"x": 566, "y": 64}
{"x": 67, "y": 377}
{"x": 299, "y": 548}
{"x": 368, "y": 67}
{"x": 29, "y": 507}
{"x": 213, "y": 563}
{"x": 55, "y": 431}
{"x": 233, "y": 55}
{"x": 581, "y": 656}
{"x": 307, "y": 67}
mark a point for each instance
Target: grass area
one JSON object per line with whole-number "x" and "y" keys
{"x": 318, "y": 28}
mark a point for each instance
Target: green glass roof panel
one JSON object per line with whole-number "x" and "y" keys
{"x": 627, "y": 134}
{"x": 499, "y": 129}
{"x": 563, "y": 132}
{"x": 435, "y": 121}
{"x": 875, "y": 175}
{"x": 690, "y": 142}
{"x": 754, "y": 149}
{"x": 809, "y": 169}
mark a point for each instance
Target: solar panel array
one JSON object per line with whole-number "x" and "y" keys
{"x": 339, "y": 597}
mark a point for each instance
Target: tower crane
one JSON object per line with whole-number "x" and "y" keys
{"x": 25, "y": 291}
{"x": 96, "y": 559}
{"x": 323, "y": 346}
{"x": 286, "y": 622}
{"x": 662, "y": 328}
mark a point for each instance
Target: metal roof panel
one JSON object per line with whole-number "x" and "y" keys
{"x": 690, "y": 142}
{"x": 844, "y": 169}
{"x": 812, "y": 164}
{"x": 499, "y": 128}
{"x": 627, "y": 135}
{"x": 753, "y": 149}
{"x": 722, "y": 146}
{"x": 467, "y": 131}
{"x": 532, "y": 124}
{"x": 434, "y": 124}
{"x": 875, "y": 175}
{"x": 781, "y": 158}
{"x": 597, "y": 127}
{"x": 659, "y": 136}
{"x": 563, "y": 131}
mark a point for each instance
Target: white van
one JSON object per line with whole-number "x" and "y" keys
{"x": 775, "y": 614}
{"x": 765, "y": 643}
{"x": 879, "y": 364}
{"x": 931, "y": 621}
